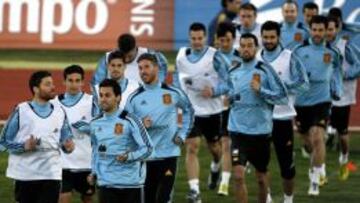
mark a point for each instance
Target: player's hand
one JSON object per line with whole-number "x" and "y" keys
{"x": 147, "y": 122}
{"x": 207, "y": 92}
{"x": 122, "y": 157}
{"x": 178, "y": 141}
{"x": 255, "y": 84}
{"x": 226, "y": 101}
{"x": 91, "y": 179}
{"x": 69, "y": 145}
{"x": 30, "y": 144}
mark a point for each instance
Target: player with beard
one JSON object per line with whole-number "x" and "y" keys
{"x": 254, "y": 90}
{"x": 292, "y": 73}
{"x": 34, "y": 135}
{"x": 322, "y": 63}
{"x": 157, "y": 104}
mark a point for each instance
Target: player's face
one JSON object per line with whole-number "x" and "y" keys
{"x": 226, "y": 42}
{"x": 130, "y": 55}
{"x": 116, "y": 68}
{"x": 197, "y": 40}
{"x": 308, "y": 14}
{"x": 108, "y": 100}
{"x": 318, "y": 32}
{"x": 289, "y": 12}
{"x": 46, "y": 89}
{"x": 233, "y": 6}
{"x": 247, "y": 18}
{"x": 148, "y": 72}
{"x": 331, "y": 31}
{"x": 73, "y": 83}
{"x": 247, "y": 49}
{"x": 270, "y": 39}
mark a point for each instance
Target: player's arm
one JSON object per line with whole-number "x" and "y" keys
{"x": 336, "y": 82}
{"x": 175, "y": 76}
{"x": 142, "y": 139}
{"x": 100, "y": 72}
{"x": 299, "y": 81}
{"x": 66, "y": 136}
{"x": 187, "y": 115}
{"x": 221, "y": 66}
{"x": 9, "y": 132}
{"x": 94, "y": 146}
{"x": 273, "y": 90}
{"x": 352, "y": 55}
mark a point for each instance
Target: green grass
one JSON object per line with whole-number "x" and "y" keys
{"x": 335, "y": 192}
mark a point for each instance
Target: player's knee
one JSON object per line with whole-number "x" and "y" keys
{"x": 239, "y": 176}
{"x": 317, "y": 141}
{"x": 261, "y": 179}
{"x": 288, "y": 173}
{"x": 192, "y": 148}
{"x": 226, "y": 145}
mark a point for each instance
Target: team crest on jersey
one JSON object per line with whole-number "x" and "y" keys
{"x": 56, "y": 130}
{"x": 83, "y": 118}
{"x": 167, "y": 99}
{"x": 327, "y": 58}
{"x": 298, "y": 37}
{"x": 118, "y": 129}
{"x": 143, "y": 102}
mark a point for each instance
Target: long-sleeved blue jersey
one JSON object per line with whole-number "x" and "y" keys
{"x": 293, "y": 34}
{"x": 292, "y": 72}
{"x": 161, "y": 102}
{"x": 251, "y": 112}
{"x": 11, "y": 128}
{"x": 297, "y": 81}
{"x": 322, "y": 63}
{"x": 232, "y": 58}
{"x": 117, "y": 134}
{"x": 351, "y": 70}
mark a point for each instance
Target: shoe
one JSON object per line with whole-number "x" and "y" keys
{"x": 314, "y": 189}
{"x": 223, "y": 190}
{"x": 351, "y": 166}
{"x": 193, "y": 197}
{"x": 323, "y": 180}
{"x": 268, "y": 198}
{"x": 304, "y": 153}
{"x": 344, "y": 172}
{"x": 288, "y": 201}
{"x": 213, "y": 180}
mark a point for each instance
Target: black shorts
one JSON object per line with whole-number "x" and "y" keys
{"x": 160, "y": 179}
{"x": 44, "y": 191}
{"x": 255, "y": 149}
{"x": 308, "y": 116}
{"x": 283, "y": 139}
{"x": 339, "y": 119}
{"x": 224, "y": 122}
{"x": 123, "y": 195}
{"x": 209, "y": 126}
{"x": 76, "y": 181}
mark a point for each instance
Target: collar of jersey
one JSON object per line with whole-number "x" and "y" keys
{"x": 153, "y": 86}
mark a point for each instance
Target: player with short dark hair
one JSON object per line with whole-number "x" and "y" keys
{"x": 322, "y": 64}
{"x": 34, "y": 135}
